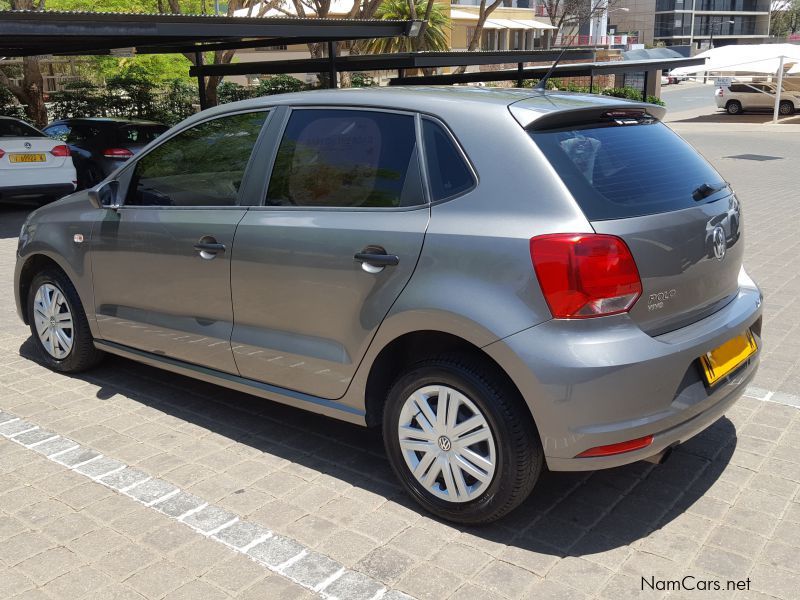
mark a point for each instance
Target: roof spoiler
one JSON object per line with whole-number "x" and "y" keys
{"x": 536, "y": 117}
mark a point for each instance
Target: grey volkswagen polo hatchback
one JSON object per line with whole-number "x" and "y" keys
{"x": 502, "y": 280}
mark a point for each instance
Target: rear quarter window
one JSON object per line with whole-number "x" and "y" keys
{"x": 620, "y": 171}
{"x": 448, "y": 173}
{"x": 14, "y": 128}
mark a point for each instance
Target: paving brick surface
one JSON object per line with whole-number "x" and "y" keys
{"x": 314, "y": 496}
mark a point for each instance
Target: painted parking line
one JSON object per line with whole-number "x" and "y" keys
{"x": 775, "y": 397}
{"x": 280, "y": 554}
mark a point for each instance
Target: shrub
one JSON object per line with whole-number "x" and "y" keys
{"x": 233, "y": 92}
{"x": 655, "y": 100}
{"x": 279, "y": 84}
{"x": 9, "y": 107}
{"x": 78, "y": 99}
{"x": 360, "y": 80}
{"x": 624, "y": 92}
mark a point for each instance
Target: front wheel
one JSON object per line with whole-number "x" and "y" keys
{"x": 58, "y": 324}
{"x": 461, "y": 440}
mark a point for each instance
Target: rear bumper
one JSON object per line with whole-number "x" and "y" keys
{"x": 597, "y": 382}
{"x": 49, "y": 190}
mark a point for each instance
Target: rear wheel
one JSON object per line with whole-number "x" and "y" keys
{"x": 58, "y": 324}
{"x": 786, "y": 107}
{"x": 461, "y": 440}
{"x": 734, "y": 107}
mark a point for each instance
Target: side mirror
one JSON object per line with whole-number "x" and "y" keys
{"x": 105, "y": 195}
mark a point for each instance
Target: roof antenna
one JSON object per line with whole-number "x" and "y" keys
{"x": 543, "y": 81}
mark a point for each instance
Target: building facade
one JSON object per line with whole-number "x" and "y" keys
{"x": 694, "y": 22}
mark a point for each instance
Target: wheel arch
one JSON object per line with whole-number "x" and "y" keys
{"x": 412, "y": 347}
{"x": 35, "y": 263}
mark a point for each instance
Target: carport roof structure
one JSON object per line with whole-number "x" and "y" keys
{"x": 33, "y": 33}
{"x": 38, "y": 33}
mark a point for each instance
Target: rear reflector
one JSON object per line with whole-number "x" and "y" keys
{"x": 122, "y": 153}
{"x": 62, "y": 151}
{"x": 585, "y": 275}
{"x": 620, "y": 448}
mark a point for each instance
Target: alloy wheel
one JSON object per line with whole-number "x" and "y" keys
{"x": 53, "y": 320}
{"x": 447, "y": 443}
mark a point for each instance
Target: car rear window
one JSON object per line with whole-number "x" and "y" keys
{"x": 617, "y": 171}
{"x": 138, "y": 134}
{"x": 14, "y": 128}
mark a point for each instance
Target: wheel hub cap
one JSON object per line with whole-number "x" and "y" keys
{"x": 53, "y": 320}
{"x": 447, "y": 443}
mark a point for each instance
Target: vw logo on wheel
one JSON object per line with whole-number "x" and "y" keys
{"x": 27, "y": 145}
{"x": 718, "y": 240}
{"x": 444, "y": 443}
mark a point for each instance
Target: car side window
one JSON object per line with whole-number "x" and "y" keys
{"x": 448, "y": 173}
{"x": 201, "y": 166}
{"x": 346, "y": 158}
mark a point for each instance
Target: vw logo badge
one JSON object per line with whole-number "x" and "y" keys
{"x": 27, "y": 145}
{"x": 444, "y": 443}
{"x": 718, "y": 239}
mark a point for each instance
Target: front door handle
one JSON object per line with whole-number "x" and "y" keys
{"x": 374, "y": 258}
{"x": 208, "y": 247}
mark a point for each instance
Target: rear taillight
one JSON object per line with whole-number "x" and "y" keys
{"x": 585, "y": 275}
{"x": 2, "y": 154}
{"x": 121, "y": 153}
{"x": 61, "y": 151}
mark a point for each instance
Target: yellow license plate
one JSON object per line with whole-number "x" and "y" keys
{"x": 721, "y": 361}
{"x": 27, "y": 158}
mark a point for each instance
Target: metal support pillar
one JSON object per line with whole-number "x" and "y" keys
{"x": 644, "y": 87}
{"x": 332, "y": 65}
{"x": 520, "y": 77}
{"x": 591, "y": 82}
{"x": 201, "y": 81}
{"x": 778, "y": 91}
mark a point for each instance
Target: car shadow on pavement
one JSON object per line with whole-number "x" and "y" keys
{"x": 568, "y": 514}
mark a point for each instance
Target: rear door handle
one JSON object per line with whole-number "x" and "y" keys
{"x": 374, "y": 258}
{"x": 383, "y": 260}
{"x": 208, "y": 247}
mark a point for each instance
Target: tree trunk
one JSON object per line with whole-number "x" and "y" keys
{"x": 483, "y": 14}
{"x": 33, "y": 91}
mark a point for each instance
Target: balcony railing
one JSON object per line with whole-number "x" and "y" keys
{"x": 588, "y": 40}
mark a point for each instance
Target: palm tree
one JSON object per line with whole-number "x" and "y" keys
{"x": 434, "y": 34}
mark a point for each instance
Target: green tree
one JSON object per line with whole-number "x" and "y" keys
{"x": 785, "y": 19}
{"x": 30, "y": 92}
{"x": 433, "y": 38}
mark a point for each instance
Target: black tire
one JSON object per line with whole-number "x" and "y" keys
{"x": 83, "y": 355}
{"x": 519, "y": 455}
{"x": 734, "y": 107}
{"x": 786, "y": 108}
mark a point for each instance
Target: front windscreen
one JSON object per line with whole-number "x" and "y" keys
{"x": 626, "y": 169}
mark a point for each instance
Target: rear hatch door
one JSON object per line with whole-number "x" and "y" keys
{"x": 636, "y": 179}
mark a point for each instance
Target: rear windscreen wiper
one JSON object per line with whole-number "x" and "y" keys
{"x": 705, "y": 190}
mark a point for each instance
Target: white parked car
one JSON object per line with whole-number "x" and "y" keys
{"x": 33, "y": 165}
{"x": 739, "y": 97}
